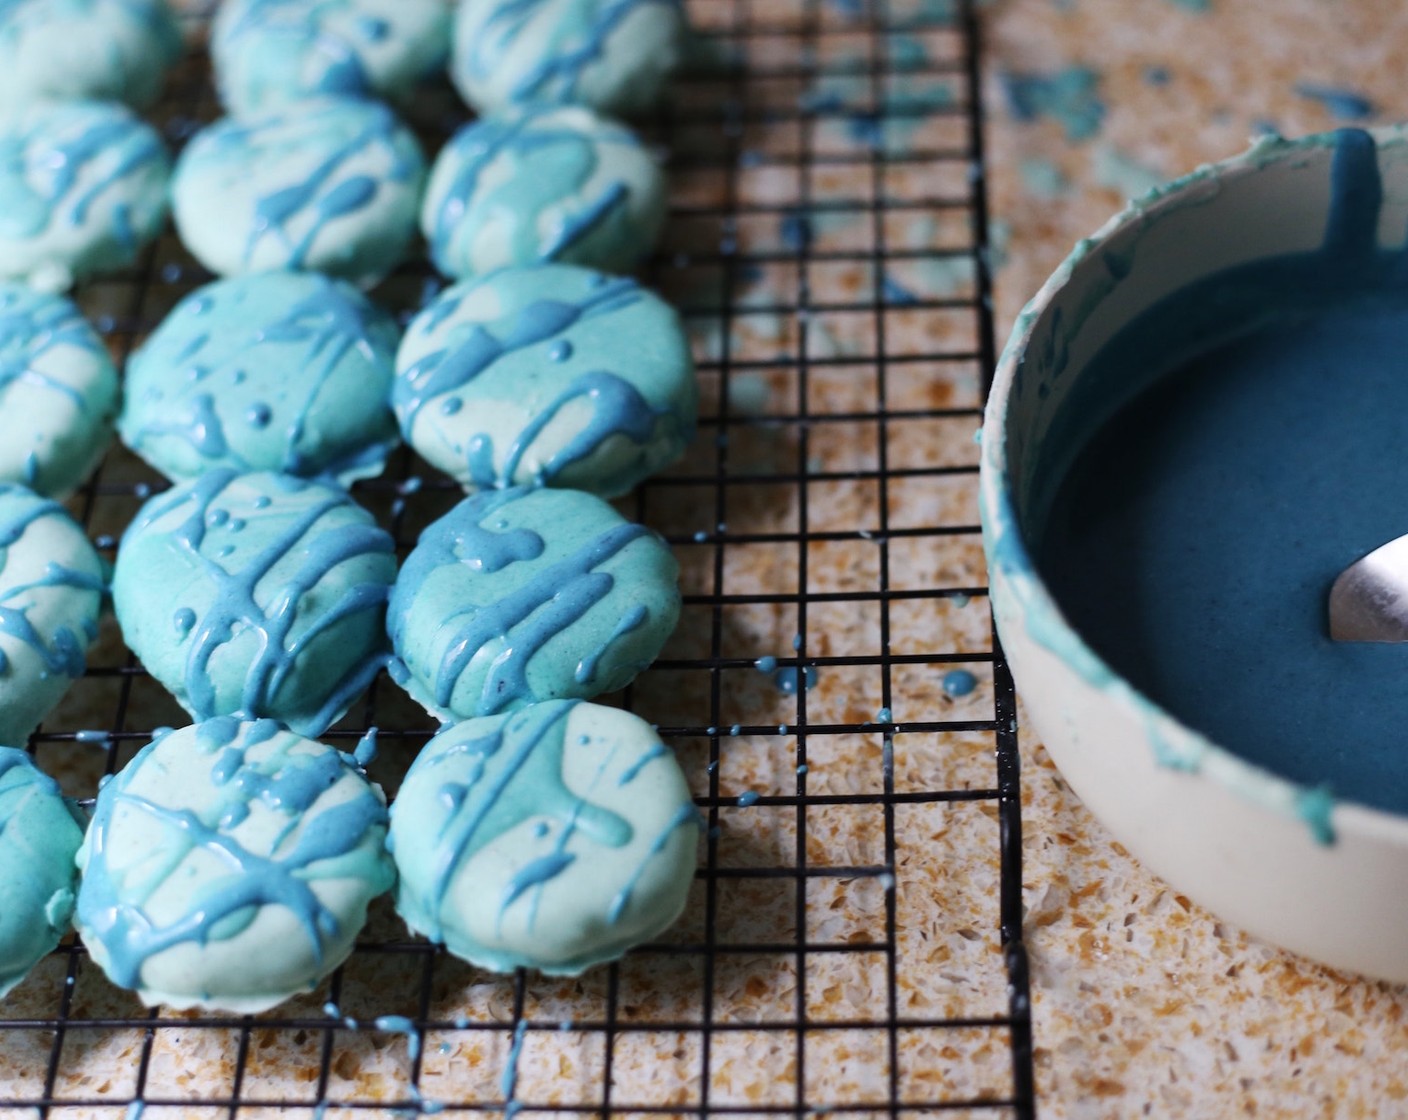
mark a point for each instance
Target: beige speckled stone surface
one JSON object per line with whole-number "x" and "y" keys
{"x": 1144, "y": 1005}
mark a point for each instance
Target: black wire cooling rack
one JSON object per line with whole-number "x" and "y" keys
{"x": 853, "y": 941}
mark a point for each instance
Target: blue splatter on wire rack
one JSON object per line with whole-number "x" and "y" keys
{"x": 826, "y": 245}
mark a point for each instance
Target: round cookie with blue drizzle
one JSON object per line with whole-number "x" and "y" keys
{"x": 51, "y": 588}
{"x": 611, "y": 55}
{"x": 542, "y": 184}
{"x": 229, "y": 865}
{"x": 82, "y": 190}
{"x": 58, "y": 392}
{"x": 554, "y": 837}
{"x": 281, "y": 371}
{"x": 516, "y": 596}
{"x": 269, "y": 52}
{"x": 39, "y": 836}
{"x": 107, "y": 50}
{"x": 256, "y": 594}
{"x": 330, "y": 184}
{"x": 547, "y": 375}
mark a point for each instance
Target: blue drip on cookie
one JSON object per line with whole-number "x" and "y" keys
{"x": 235, "y": 608}
{"x": 32, "y": 325}
{"x": 550, "y": 165}
{"x": 112, "y": 911}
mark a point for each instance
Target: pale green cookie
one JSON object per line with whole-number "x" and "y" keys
{"x": 282, "y": 371}
{"x": 330, "y": 184}
{"x": 553, "y": 838}
{"x": 256, "y": 595}
{"x": 82, "y": 190}
{"x": 229, "y": 865}
{"x": 39, "y": 835}
{"x": 58, "y": 392}
{"x": 268, "y": 52}
{"x": 68, "y": 50}
{"x": 546, "y": 184}
{"x": 51, "y": 587}
{"x": 612, "y": 55}
{"x": 516, "y": 596}
{"x": 547, "y": 374}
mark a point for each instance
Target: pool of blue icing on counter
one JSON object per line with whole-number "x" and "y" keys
{"x": 1194, "y": 539}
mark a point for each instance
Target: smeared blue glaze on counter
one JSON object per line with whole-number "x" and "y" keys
{"x": 286, "y": 582}
{"x": 546, "y": 184}
{"x": 205, "y": 830}
{"x": 489, "y": 373}
{"x": 277, "y": 371}
{"x": 521, "y": 595}
{"x": 1342, "y": 104}
{"x": 584, "y": 819}
{"x": 39, "y": 835}
{"x": 1194, "y": 542}
{"x": 1070, "y": 96}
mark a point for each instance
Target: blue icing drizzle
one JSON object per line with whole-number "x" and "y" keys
{"x": 314, "y": 347}
{"x": 321, "y": 529}
{"x": 270, "y": 51}
{"x": 332, "y": 134}
{"x": 508, "y": 772}
{"x": 583, "y": 410}
{"x": 958, "y": 682}
{"x": 547, "y": 198}
{"x": 538, "y": 590}
{"x": 577, "y": 38}
{"x": 1215, "y": 609}
{"x": 285, "y": 778}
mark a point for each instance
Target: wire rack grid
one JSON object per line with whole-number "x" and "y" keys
{"x": 853, "y": 939}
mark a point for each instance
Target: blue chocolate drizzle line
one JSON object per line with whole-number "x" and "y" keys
{"x": 524, "y": 619}
{"x": 617, "y": 410}
{"x": 112, "y": 911}
{"x": 235, "y": 607}
{"x": 65, "y": 652}
{"x": 323, "y": 190}
{"x": 580, "y": 37}
{"x": 343, "y": 71}
{"x": 550, "y": 166}
{"x": 28, "y": 208}
{"x": 20, "y": 782}
{"x": 450, "y": 368}
{"x": 327, "y": 322}
{"x": 31, "y": 326}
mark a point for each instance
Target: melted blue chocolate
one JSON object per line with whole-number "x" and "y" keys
{"x": 1194, "y": 541}
{"x": 113, "y": 910}
{"x": 32, "y": 325}
{"x": 582, "y": 34}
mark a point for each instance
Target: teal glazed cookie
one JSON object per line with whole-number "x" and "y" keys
{"x": 82, "y": 190}
{"x": 267, "y": 53}
{"x": 229, "y": 865}
{"x": 51, "y": 587}
{"x": 516, "y": 596}
{"x": 39, "y": 836}
{"x": 554, "y": 837}
{"x": 611, "y": 55}
{"x": 58, "y": 392}
{"x": 68, "y": 50}
{"x": 553, "y": 184}
{"x": 548, "y": 374}
{"x": 329, "y": 185}
{"x": 280, "y": 371}
{"x": 256, "y": 595}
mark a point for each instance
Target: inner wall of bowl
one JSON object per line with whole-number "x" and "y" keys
{"x": 1275, "y": 202}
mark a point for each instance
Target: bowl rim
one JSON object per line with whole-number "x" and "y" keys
{"x": 1006, "y": 551}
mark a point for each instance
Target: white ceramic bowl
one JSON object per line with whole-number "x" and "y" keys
{"x": 1329, "y": 880}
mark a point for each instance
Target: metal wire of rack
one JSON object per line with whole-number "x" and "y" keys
{"x": 795, "y": 211}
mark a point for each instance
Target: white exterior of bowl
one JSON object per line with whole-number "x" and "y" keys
{"x": 1248, "y": 845}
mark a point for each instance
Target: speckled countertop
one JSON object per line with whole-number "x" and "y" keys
{"x": 1144, "y": 1003}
